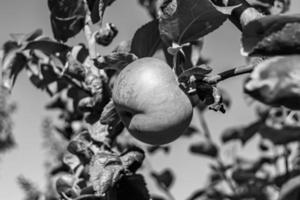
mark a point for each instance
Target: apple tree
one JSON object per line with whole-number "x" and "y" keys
{"x": 102, "y": 98}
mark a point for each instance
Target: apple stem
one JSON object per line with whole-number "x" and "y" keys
{"x": 244, "y": 69}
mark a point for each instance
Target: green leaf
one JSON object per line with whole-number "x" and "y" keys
{"x": 146, "y": 40}
{"x": 187, "y": 20}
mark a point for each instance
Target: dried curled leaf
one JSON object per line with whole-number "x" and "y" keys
{"x": 133, "y": 158}
{"x": 114, "y": 61}
{"x": 105, "y": 171}
{"x": 261, "y": 36}
{"x": 184, "y": 21}
{"x": 106, "y": 34}
{"x": 276, "y": 82}
{"x": 80, "y": 146}
{"x": 109, "y": 115}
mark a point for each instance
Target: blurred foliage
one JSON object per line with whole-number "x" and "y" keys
{"x": 91, "y": 156}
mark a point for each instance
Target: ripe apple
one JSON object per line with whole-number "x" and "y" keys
{"x": 150, "y": 103}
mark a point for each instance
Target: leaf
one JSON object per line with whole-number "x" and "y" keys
{"x": 165, "y": 178}
{"x": 205, "y": 148}
{"x": 20, "y": 38}
{"x": 114, "y": 61}
{"x": 190, "y": 131}
{"x": 67, "y": 18}
{"x": 80, "y": 146}
{"x": 97, "y": 8}
{"x": 197, "y": 194}
{"x": 280, "y": 136}
{"x": 283, "y": 42}
{"x": 244, "y": 134}
{"x": 12, "y": 65}
{"x": 106, "y": 34}
{"x": 153, "y": 149}
{"x": 48, "y": 47}
{"x": 271, "y": 7}
{"x": 290, "y": 190}
{"x": 109, "y": 114}
{"x": 189, "y": 20}
{"x": 199, "y": 72}
{"x": 146, "y": 40}
{"x": 105, "y": 171}
{"x": 275, "y": 82}
{"x": 263, "y": 28}
{"x": 71, "y": 160}
{"x": 133, "y": 158}
{"x": 132, "y": 188}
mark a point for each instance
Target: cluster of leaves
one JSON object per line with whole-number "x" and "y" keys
{"x": 6, "y": 109}
{"x": 93, "y": 158}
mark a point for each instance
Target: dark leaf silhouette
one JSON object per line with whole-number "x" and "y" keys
{"x": 290, "y": 190}
{"x": 190, "y": 131}
{"x": 132, "y": 187}
{"x": 188, "y": 20}
{"x": 271, "y": 31}
{"x": 197, "y": 194}
{"x": 97, "y": 8}
{"x": 146, "y": 40}
{"x": 164, "y": 179}
{"x": 205, "y": 148}
{"x": 283, "y": 135}
{"x": 48, "y": 47}
{"x": 244, "y": 134}
{"x": 274, "y": 82}
{"x": 67, "y": 18}
{"x": 153, "y": 149}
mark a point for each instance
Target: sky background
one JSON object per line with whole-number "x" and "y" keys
{"x": 222, "y": 47}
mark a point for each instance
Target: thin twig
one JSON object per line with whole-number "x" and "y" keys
{"x": 207, "y": 135}
{"x": 162, "y": 187}
{"x": 286, "y": 160}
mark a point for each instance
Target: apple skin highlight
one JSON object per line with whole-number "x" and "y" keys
{"x": 150, "y": 103}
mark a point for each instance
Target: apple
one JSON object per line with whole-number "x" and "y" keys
{"x": 150, "y": 102}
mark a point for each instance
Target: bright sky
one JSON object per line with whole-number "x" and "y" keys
{"x": 222, "y": 47}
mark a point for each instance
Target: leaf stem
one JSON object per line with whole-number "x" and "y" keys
{"x": 162, "y": 187}
{"x": 286, "y": 160}
{"x": 207, "y": 135}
